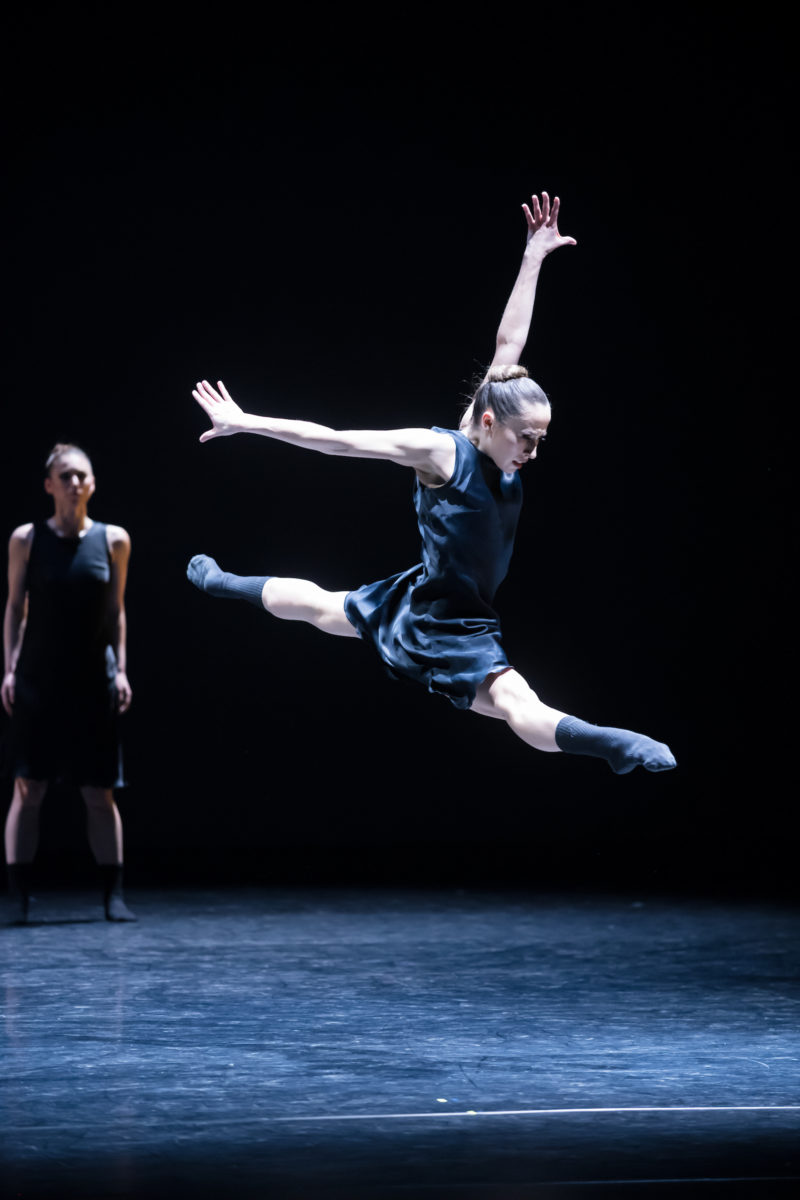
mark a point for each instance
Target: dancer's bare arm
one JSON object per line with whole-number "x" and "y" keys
{"x": 543, "y": 238}
{"x": 119, "y": 544}
{"x": 515, "y": 324}
{"x": 431, "y": 454}
{"x": 16, "y": 609}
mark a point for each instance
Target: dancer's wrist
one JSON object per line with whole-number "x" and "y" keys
{"x": 534, "y": 254}
{"x": 247, "y": 423}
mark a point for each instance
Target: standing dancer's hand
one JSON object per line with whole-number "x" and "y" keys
{"x": 226, "y": 416}
{"x": 543, "y": 224}
{"x": 124, "y": 692}
{"x": 8, "y": 690}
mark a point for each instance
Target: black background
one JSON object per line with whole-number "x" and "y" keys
{"x": 324, "y": 211}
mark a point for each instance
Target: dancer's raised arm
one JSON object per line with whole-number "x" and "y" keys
{"x": 543, "y": 238}
{"x": 431, "y": 455}
{"x": 515, "y": 324}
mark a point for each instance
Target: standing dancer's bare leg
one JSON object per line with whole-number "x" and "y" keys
{"x": 104, "y": 827}
{"x": 22, "y": 840}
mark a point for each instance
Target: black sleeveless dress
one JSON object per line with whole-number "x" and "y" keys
{"x": 435, "y": 622}
{"x": 64, "y": 726}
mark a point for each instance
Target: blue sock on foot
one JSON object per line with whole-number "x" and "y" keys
{"x": 206, "y": 575}
{"x": 621, "y": 748}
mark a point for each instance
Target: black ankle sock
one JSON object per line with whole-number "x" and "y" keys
{"x": 621, "y": 748}
{"x": 19, "y": 887}
{"x": 113, "y": 902}
{"x": 206, "y": 575}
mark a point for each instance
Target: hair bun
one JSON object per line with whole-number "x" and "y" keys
{"x": 505, "y": 371}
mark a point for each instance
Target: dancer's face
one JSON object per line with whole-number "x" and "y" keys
{"x": 70, "y": 482}
{"x": 513, "y": 442}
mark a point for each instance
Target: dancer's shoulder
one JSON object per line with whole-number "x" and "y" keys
{"x": 22, "y": 535}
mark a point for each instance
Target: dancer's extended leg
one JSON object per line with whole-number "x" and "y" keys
{"x": 289, "y": 599}
{"x": 302, "y": 600}
{"x": 508, "y": 696}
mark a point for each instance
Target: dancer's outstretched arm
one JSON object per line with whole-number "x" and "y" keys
{"x": 431, "y": 455}
{"x": 515, "y": 324}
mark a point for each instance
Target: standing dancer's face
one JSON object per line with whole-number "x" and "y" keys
{"x": 513, "y": 442}
{"x": 70, "y": 482}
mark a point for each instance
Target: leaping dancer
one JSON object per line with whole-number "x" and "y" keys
{"x": 435, "y": 623}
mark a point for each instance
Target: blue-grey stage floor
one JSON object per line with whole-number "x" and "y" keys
{"x": 345, "y": 1043}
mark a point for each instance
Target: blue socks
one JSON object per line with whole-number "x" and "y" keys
{"x": 204, "y": 573}
{"x": 622, "y": 749}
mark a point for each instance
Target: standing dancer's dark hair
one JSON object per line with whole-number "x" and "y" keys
{"x": 435, "y": 623}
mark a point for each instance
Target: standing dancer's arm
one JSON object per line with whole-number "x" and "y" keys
{"x": 515, "y": 324}
{"x": 119, "y": 543}
{"x": 16, "y": 613}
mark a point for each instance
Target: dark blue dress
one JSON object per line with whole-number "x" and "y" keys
{"x": 435, "y": 622}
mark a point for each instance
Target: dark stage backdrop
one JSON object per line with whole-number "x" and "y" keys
{"x": 328, "y": 219}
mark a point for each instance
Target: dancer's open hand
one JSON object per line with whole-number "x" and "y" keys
{"x": 226, "y": 416}
{"x": 543, "y": 224}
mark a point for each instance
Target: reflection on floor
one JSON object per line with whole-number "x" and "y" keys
{"x": 371, "y": 1043}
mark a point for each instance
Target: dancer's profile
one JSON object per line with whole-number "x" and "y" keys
{"x": 435, "y": 623}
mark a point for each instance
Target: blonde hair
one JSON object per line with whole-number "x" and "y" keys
{"x": 507, "y": 389}
{"x": 505, "y": 371}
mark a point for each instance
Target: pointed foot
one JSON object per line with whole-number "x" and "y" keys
{"x": 204, "y": 573}
{"x": 642, "y": 751}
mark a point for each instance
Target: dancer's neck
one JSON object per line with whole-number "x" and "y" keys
{"x": 70, "y": 525}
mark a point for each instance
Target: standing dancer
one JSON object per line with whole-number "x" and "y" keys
{"x": 435, "y": 622}
{"x": 65, "y": 678}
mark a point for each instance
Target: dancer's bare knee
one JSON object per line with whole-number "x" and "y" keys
{"x": 504, "y": 694}
{"x": 95, "y": 797}
{"x": 500, "y": 693}
{"x": 29, "y": 792}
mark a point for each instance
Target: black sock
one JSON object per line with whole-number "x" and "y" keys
{"x": 206, "y": 575}
{"x": 19, "y": 886}
{"x": 113, "y": 902}
{"x": 622, "y": 749}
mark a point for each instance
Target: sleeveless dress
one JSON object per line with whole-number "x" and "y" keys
{"x": 435, "y": 623}
{"x": 64, "y": 726}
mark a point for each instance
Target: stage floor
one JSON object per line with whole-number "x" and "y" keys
{"x": 367, "y": 1043}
